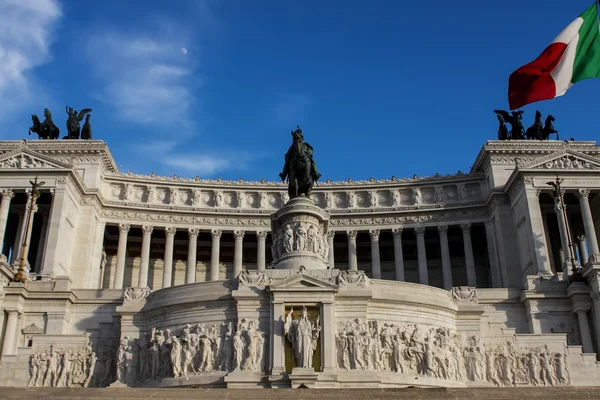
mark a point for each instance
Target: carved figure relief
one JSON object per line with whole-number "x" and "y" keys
{"x": 285, "y": 197}
{"x": 218, "y": 198}
{"x": 70, "y": 367}
{"x": 239, "y": 199}
{"x": 351, "y": 199}
{"x": 151, "y": 192}
{"x": 263, "y": 201}
{"x": 128, "y": 192}
{"x": 303, "y": 335}
{"x": 373, "y": 199}
{"x": 396, "y": 198}
{"x": 196, "y": 350}
{"x": 417, "y": 196}
{"x": 408, "y": 349}
{"x": 463, "y": 293}
{"x": 328, "y": 200}
{"x": 197, "y": 198}
{"x": 462, "y": 192}
{"x": 439, "y": 194}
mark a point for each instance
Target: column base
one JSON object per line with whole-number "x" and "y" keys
{"x": 279, "y": 380}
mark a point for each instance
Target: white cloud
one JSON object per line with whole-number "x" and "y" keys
{"x": 144, "y": 76}
{"x": 206, "y": 164}
{"x": 26, "y": 33}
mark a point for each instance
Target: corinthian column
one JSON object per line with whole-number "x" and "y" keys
{"x": 168, "y": 261}
{"x": 261, "y": 237}
{"x": 145, "y": 256}
{"x": 445, "y": 252}
{"x": 121, "y": 254}
{"x": 588, "y": 224}
{"x": 214, "y": 254}
{"x": 422, "y": 255}
{"x": 469, "y": 259}
{"x": 398, "y": 254}
{"x": 582, "y": 249}
{"x": 238, "y": 252}
{"x": 352, "y": 260}
{"x": 7, "y": 196}
{"x": 190, "y": 268}
{"x": 331, "y": 244}
{"x": 375, "y": 259}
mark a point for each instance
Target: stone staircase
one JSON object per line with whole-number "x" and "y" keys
{"x": 545, "y": 393}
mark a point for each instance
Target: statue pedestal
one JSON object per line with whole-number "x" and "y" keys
{"x": 245, "y": 379}
{"x": 303, "y": 377}
{"x": 300, "y": 235}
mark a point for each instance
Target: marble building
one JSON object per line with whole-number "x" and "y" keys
{"x": 467, "y": 279}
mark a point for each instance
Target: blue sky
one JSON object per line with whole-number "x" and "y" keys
{"x": 380, "y": 88}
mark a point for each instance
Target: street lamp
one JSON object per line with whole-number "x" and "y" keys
{"x": 35, "y": 193}
{"x": 558, "y": 194}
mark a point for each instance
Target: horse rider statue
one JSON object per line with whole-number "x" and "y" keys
{"x": 299, "y": 169}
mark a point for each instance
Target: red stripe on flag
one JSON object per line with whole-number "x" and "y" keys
{"x": 532, "y": 82}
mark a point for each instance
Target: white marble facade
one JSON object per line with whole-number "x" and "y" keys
{"x": 453, "y": 280}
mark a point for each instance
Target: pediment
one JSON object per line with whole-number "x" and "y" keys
{"x": 27, "y": 159}
{"x": 564, "y": 160}
{"x": 303, "y": 282}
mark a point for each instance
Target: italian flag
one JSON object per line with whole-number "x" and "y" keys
{"x": 572, "y": 57}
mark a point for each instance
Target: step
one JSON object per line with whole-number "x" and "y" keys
{"x": 535, "y": 393}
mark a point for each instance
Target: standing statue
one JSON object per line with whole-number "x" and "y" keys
{"x": 75, "y": 117}
{"x": 299, "y": 168}
{"x": 46, "y": 129}
{"x": 304, "y": 336}
{"x": 517, "y": 132}
{"x": 535, "y": 130}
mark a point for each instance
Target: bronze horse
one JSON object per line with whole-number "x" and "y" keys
{"x": 46, "y": 129}
{"x": 548, "y": 128}
{"x": 535, "y": 130}
{"x": 299, "y": 168}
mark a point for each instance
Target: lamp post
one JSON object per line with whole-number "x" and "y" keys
{"x": 558, "y": 194}
{"x": 35, "y": 193}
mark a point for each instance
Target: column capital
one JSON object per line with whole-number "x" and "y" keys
{"x": 147, "y": 229}
{"x": 420, "y": 230}
{"x": 351, "y": 234}
{"x": 442, "y": 229}
{"x": 583, "y": 193}
{"x": 7, "y": 194}
{"x": 170, "y": 231}
{"x": 262, "y": 235}
{"x": 466, "y": 228}
{"x": 124, "y": 228}
{"x": 239, "y": 234}
{"x": 374, "y": 233}
{"x": 193, "y": 232}
{"x": 330, "y": 234}
{"x": 397, "y": 231}
{"x": 216, "y": 233}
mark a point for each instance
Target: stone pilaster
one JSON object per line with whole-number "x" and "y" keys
{"x": 9, "y": 347}
{"x": 536, "y": 233}
{"x": 490, "y": 234}
{"x": 375, "y": 258}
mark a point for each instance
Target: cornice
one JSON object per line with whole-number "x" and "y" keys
{"x": 528, "y": 148}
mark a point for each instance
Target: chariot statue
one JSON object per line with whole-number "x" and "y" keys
{"x": 46, "y": 129}
{"x": 299, "y": 169}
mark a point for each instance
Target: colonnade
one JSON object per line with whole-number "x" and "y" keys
{"x": 190, "y": 270}
{"x": 421, "y": 252}
{"x": 261, "y": 235}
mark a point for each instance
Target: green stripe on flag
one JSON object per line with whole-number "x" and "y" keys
{"x": 587, "y": 56}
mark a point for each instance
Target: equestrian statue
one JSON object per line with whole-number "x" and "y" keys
{"x": 299, "y": 169}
